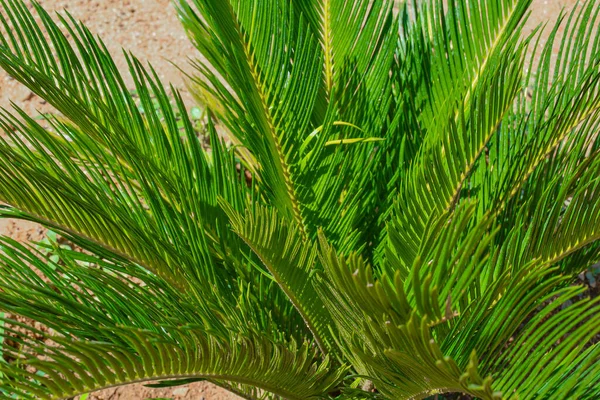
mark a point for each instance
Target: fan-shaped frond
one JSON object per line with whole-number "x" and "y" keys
{"x": 555, "y": 128}
{"x": 352, "y": 35}
{"x": 467, "y": 38}
{"x": 71, "y": 367}
{"x": 127, "y": 185}
{"x": 135, "y": 188}
{"x": 443, "y": 58}
{"x": 275, "y": 80}
{"x": 323, "y": 169}
{"x": 388, "y": 324}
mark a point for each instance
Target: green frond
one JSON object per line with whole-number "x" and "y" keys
{"x": 569, "y": 222}
{"x": 110, "y": 330}
{"x": 447, "y": 158}
{"x": 71, "y": 368}
{"x": 314, "y": 117}
{"x": 264, "y": 112}
{"x": 349, "y": 32}
{"x": 401, "y": 333}
{"x": 145, "y": 357}
{"x": 468, "y": 38}
{"x": 559, "y": 103}
{"x": 445, "y": 56}
{"x": 122, "y": 181}
{"x": 557, "y": 352}
{"x": 390, "y": 336}
{"x": 131, "y": 187}
{"x": 293, "y": 264}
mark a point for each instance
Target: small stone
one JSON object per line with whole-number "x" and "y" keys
{"x": 180, "y": 391}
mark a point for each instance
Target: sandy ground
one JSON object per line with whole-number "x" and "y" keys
{"x": 150, "y": 29}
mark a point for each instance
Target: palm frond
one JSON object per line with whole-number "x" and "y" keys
{"x": 434, "y": 184}
{"x": 554, "y": 119}
{"x": 442, "y": 57}
{"x": 467, "y": 38}
{"x": 138, "y": 191}
{"x": 110, "y": 330}
{"x": 291, "y": 262}
{"x": 388, "y": 324}
{"x": 315, "y": 117}
{"x": 123, "y": 183}
{"x": 414, "y": 346}
{"x": 265, "y": 112}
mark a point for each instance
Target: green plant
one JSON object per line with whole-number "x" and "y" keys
{"x": 424, "y": 193}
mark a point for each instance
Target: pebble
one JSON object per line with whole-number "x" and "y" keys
{"x": 180, "y": 391}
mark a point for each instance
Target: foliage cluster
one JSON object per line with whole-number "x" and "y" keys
{"x": 407, "y": 198}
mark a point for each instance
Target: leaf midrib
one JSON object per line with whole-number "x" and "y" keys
{"x": 327, "y": 44}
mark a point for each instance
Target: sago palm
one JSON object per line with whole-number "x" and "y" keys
{"x": 401, "y": 207}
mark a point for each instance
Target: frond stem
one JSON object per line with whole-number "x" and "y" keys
{"x": 327, "y": 46}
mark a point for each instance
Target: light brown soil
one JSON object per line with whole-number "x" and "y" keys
{"x": 150, "y": 29}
